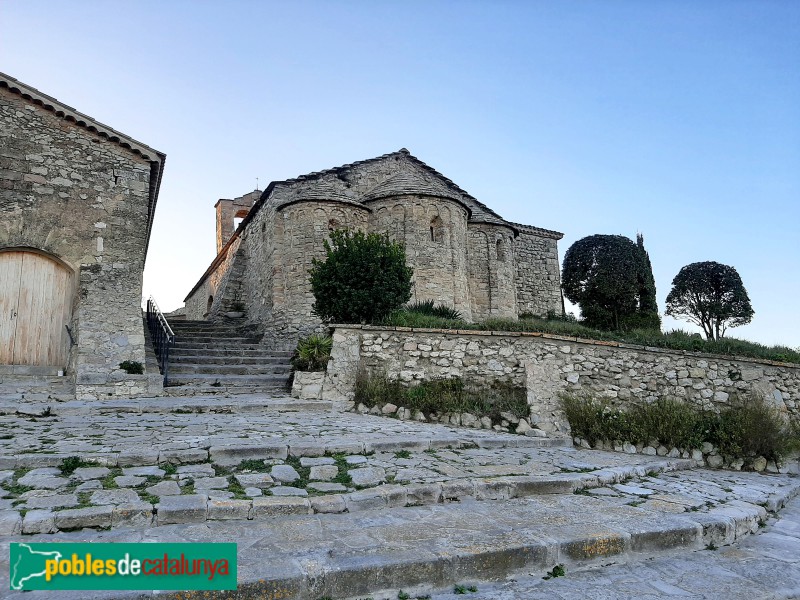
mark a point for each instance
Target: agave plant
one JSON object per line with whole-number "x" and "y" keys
{"x": 313, "y": 353}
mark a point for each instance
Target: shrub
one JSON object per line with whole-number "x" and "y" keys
{"x": 752, "y": 427}
{"x": 748, "y": 428}
{"x": 363, "y": 278}
{"x": 313, "y": 353}
{"x": 443, "y": 396}
{"x": 132, "y": 367}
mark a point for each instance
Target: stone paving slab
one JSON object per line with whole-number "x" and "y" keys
{"x": 436, "y": 464}
{"x": 225, "y": 403}
{"x": 127, "y": 439}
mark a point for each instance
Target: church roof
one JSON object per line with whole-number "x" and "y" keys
{"x": 66, "y": 112}
{"x": 322, "y": 190}
{"x": 409, "y": 182}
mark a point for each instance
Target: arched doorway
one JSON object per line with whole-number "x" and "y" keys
{"x": 35, "y": 307}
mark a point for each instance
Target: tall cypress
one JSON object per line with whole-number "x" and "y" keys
{"x": 648, "y": 306}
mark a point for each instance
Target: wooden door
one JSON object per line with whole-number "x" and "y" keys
{"x": 35, "y": 304}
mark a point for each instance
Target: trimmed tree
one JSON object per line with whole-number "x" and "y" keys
{"x": 710, "y": 295}
{"x": 363, "y": 278}
{"x": 611, "y": 279}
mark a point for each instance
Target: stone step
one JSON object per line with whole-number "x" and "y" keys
{"x": 207, "y": 389}
{"x": 218, "y": 345}
{"x": 36, "y": 370}
{"x": 228, "y": 355}
{"x": 207, "y": 359}
{"x": 216, "y": 339}
{"x": 32, "y": 388}
{"x": 256, "y": 381}
{"x": 417, "y": 549}
{"x": 229, "y": 369}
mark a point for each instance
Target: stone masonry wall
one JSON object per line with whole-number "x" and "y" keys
{"x": 300, "y": 231}
{"x": 548, "y": 365}
{"x": 434, "y": 233}
{"x": 220, "y": 286}
{"x": 83, "y": 199}
{"x": 538, "y": 277}
{"x": 491, "y": 271}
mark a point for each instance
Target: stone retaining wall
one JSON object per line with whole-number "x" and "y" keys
{"x": 548, "y": 365}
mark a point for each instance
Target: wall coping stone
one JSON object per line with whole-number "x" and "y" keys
{"x": 577, "y": 340}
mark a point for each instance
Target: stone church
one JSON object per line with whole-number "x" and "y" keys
{"x": 463, "y": 253}
{"x": 77, "y": 201}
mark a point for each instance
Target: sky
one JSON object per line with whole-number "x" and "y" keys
{"x": 676, "y": 119}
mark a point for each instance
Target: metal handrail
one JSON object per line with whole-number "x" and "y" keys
{"x": 162, "y": 334}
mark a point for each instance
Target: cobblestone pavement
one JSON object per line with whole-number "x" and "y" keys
{"x": 322, "y": 493}
{"x": 86, "y": 469}
{"x": 761, "y": 566}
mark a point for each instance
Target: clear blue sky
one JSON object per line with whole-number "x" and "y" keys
{"x": 679, "y": 119}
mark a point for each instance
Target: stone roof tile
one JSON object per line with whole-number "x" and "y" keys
{"x": 409, "y": 182}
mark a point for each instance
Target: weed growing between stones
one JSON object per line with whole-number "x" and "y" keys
{"x": 221, "y": 471}
{"x": 304, "y": 472}
{"x": 402, "y": 454}
{"x": 557, "y": 571}
{"x": 69, "y": 464}
{"x": 342, "y": 477}
{"x": 169, "y": 468}
{"x": 252, "y": 464}
{"x": 150, "y": 498}
{"x": 236, "y": 488}
{"x": 108, "y": 481}
{"x": 463, "y": 589}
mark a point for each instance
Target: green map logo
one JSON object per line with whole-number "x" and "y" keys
{"x": 66, "y": 566}
{"x": 28, "y": 564}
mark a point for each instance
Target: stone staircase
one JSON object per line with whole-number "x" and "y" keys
{"x": 221, "y": 358}
{"x": 18, "y": 383}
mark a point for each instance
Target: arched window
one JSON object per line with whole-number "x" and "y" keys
{"x": 437, "y": 230}
{"x": 209, "y": 304}
{"x": 333, "y": 225}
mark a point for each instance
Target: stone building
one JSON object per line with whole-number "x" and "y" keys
{"x": 463, "y": 254}
{"x": 77, "y": 201}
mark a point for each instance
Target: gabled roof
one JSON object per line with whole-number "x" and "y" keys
{"x": 66, "y": 112}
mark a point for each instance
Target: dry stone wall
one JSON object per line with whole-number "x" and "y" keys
{"x": 549, "y": 365}
{"x": 82, "y": 199}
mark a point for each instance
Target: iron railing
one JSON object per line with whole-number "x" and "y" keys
{"x": 162, "y": 335}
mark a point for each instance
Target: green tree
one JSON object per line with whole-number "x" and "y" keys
{"x": 710, "y": 295}
{"x": 611, "y": 279}
{"x": 362, "y": 279}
